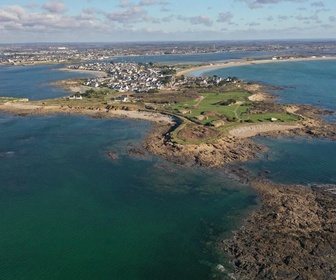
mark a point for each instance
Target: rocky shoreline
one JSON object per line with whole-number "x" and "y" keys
{"x": 293, "y": 233}
{"x": 225, "y": 149}
{"x": 229, "y": 148}
{"x": 291, "y": 236}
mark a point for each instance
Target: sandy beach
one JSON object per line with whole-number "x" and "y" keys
{"x": 95, "y": 73}
{"x": 214, "y": 66}
{"x": 27, "y": 108}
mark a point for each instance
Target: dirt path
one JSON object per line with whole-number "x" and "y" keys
{"x": 235, "y": 112}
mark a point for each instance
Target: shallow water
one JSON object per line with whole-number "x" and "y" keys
{"x": 297, "y": 161}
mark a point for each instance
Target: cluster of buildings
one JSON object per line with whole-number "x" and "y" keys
{"x": 126, "y": 77}
{"x": 24, "y": 54}
{"x": 140, "y": 77}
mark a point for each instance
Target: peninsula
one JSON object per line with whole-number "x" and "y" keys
{"x": 210, "y": 121}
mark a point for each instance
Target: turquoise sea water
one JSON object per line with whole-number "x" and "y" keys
{"x": 68, "y": 211}
{"x": 295, "y": 160}
{"x": 33, "y": 81}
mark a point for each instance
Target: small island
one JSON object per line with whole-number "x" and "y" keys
{"x": 211, "y": 121}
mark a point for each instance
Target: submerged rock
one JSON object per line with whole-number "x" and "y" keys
{"x": 113, "y": 155}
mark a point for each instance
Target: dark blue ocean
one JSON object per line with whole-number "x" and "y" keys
{"x": 68, "y": 211}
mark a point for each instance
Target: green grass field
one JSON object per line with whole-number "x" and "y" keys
{"x": 208, "y": 106}
{"x": 281, "y": 117}
{"x": 235, "y": 112}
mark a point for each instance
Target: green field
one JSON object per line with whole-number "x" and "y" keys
{"x": 212, "y": 107}
{"x": 208, "y": 106}
{"x": 281, "y": 117}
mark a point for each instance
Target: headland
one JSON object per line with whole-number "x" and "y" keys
{"x": 291, "y": 235}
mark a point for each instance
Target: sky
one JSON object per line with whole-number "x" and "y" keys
{"x": 23, "y": 21}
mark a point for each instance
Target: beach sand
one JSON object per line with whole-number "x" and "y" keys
{"x": 214, "y": 66}
{"x": 26, "y": 108}
{"x": 95, "y": 73}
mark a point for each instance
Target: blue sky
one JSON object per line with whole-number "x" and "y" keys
{"x": 164, "y": 20}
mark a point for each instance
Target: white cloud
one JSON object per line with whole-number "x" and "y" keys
{"x": 134, "y": 18}
{"x": 317, "y": 4}
{"x": 204, "y": 20}
{"x": 168, "y": 19}
{"x": 17, "y": 18}
{"x": 164, "y": 3}
{"x": 55, "y": 6}
{"x": 255, "y": 4}
{"x": 148, "y": 2}
{"x": 307, "y": 19}
{"x": 164, "y": 9}
{"x": 253, "y": 23}
{"x": 13, "y": 13}
{"x": 124, "y": 3}
{"x": 132, "y": 14}
{"x": 225, "y": 17}
{"x": 282, "y": 17}
{"x": 32, "y": 5}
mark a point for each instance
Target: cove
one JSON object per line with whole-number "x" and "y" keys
{"x": 68, "y": 211}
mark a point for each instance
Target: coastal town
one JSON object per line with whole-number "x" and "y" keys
{"x": 143, "y": 77}
{"x": 32, "y": 54}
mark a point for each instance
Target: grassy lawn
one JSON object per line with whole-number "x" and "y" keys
{"x": 267, "y": 117}
{"x": 209, "y": 107}
{"x": 96, "y": 97}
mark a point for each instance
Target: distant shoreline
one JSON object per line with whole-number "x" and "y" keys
{"x": 97, "y": 73}
{"x": 214, "y": 66}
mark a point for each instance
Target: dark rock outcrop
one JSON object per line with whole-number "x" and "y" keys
{"x": 292, "y": 235}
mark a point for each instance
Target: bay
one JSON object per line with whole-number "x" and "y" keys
{"x": 68, "y": 211}
{"x": 33, "y": 82}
